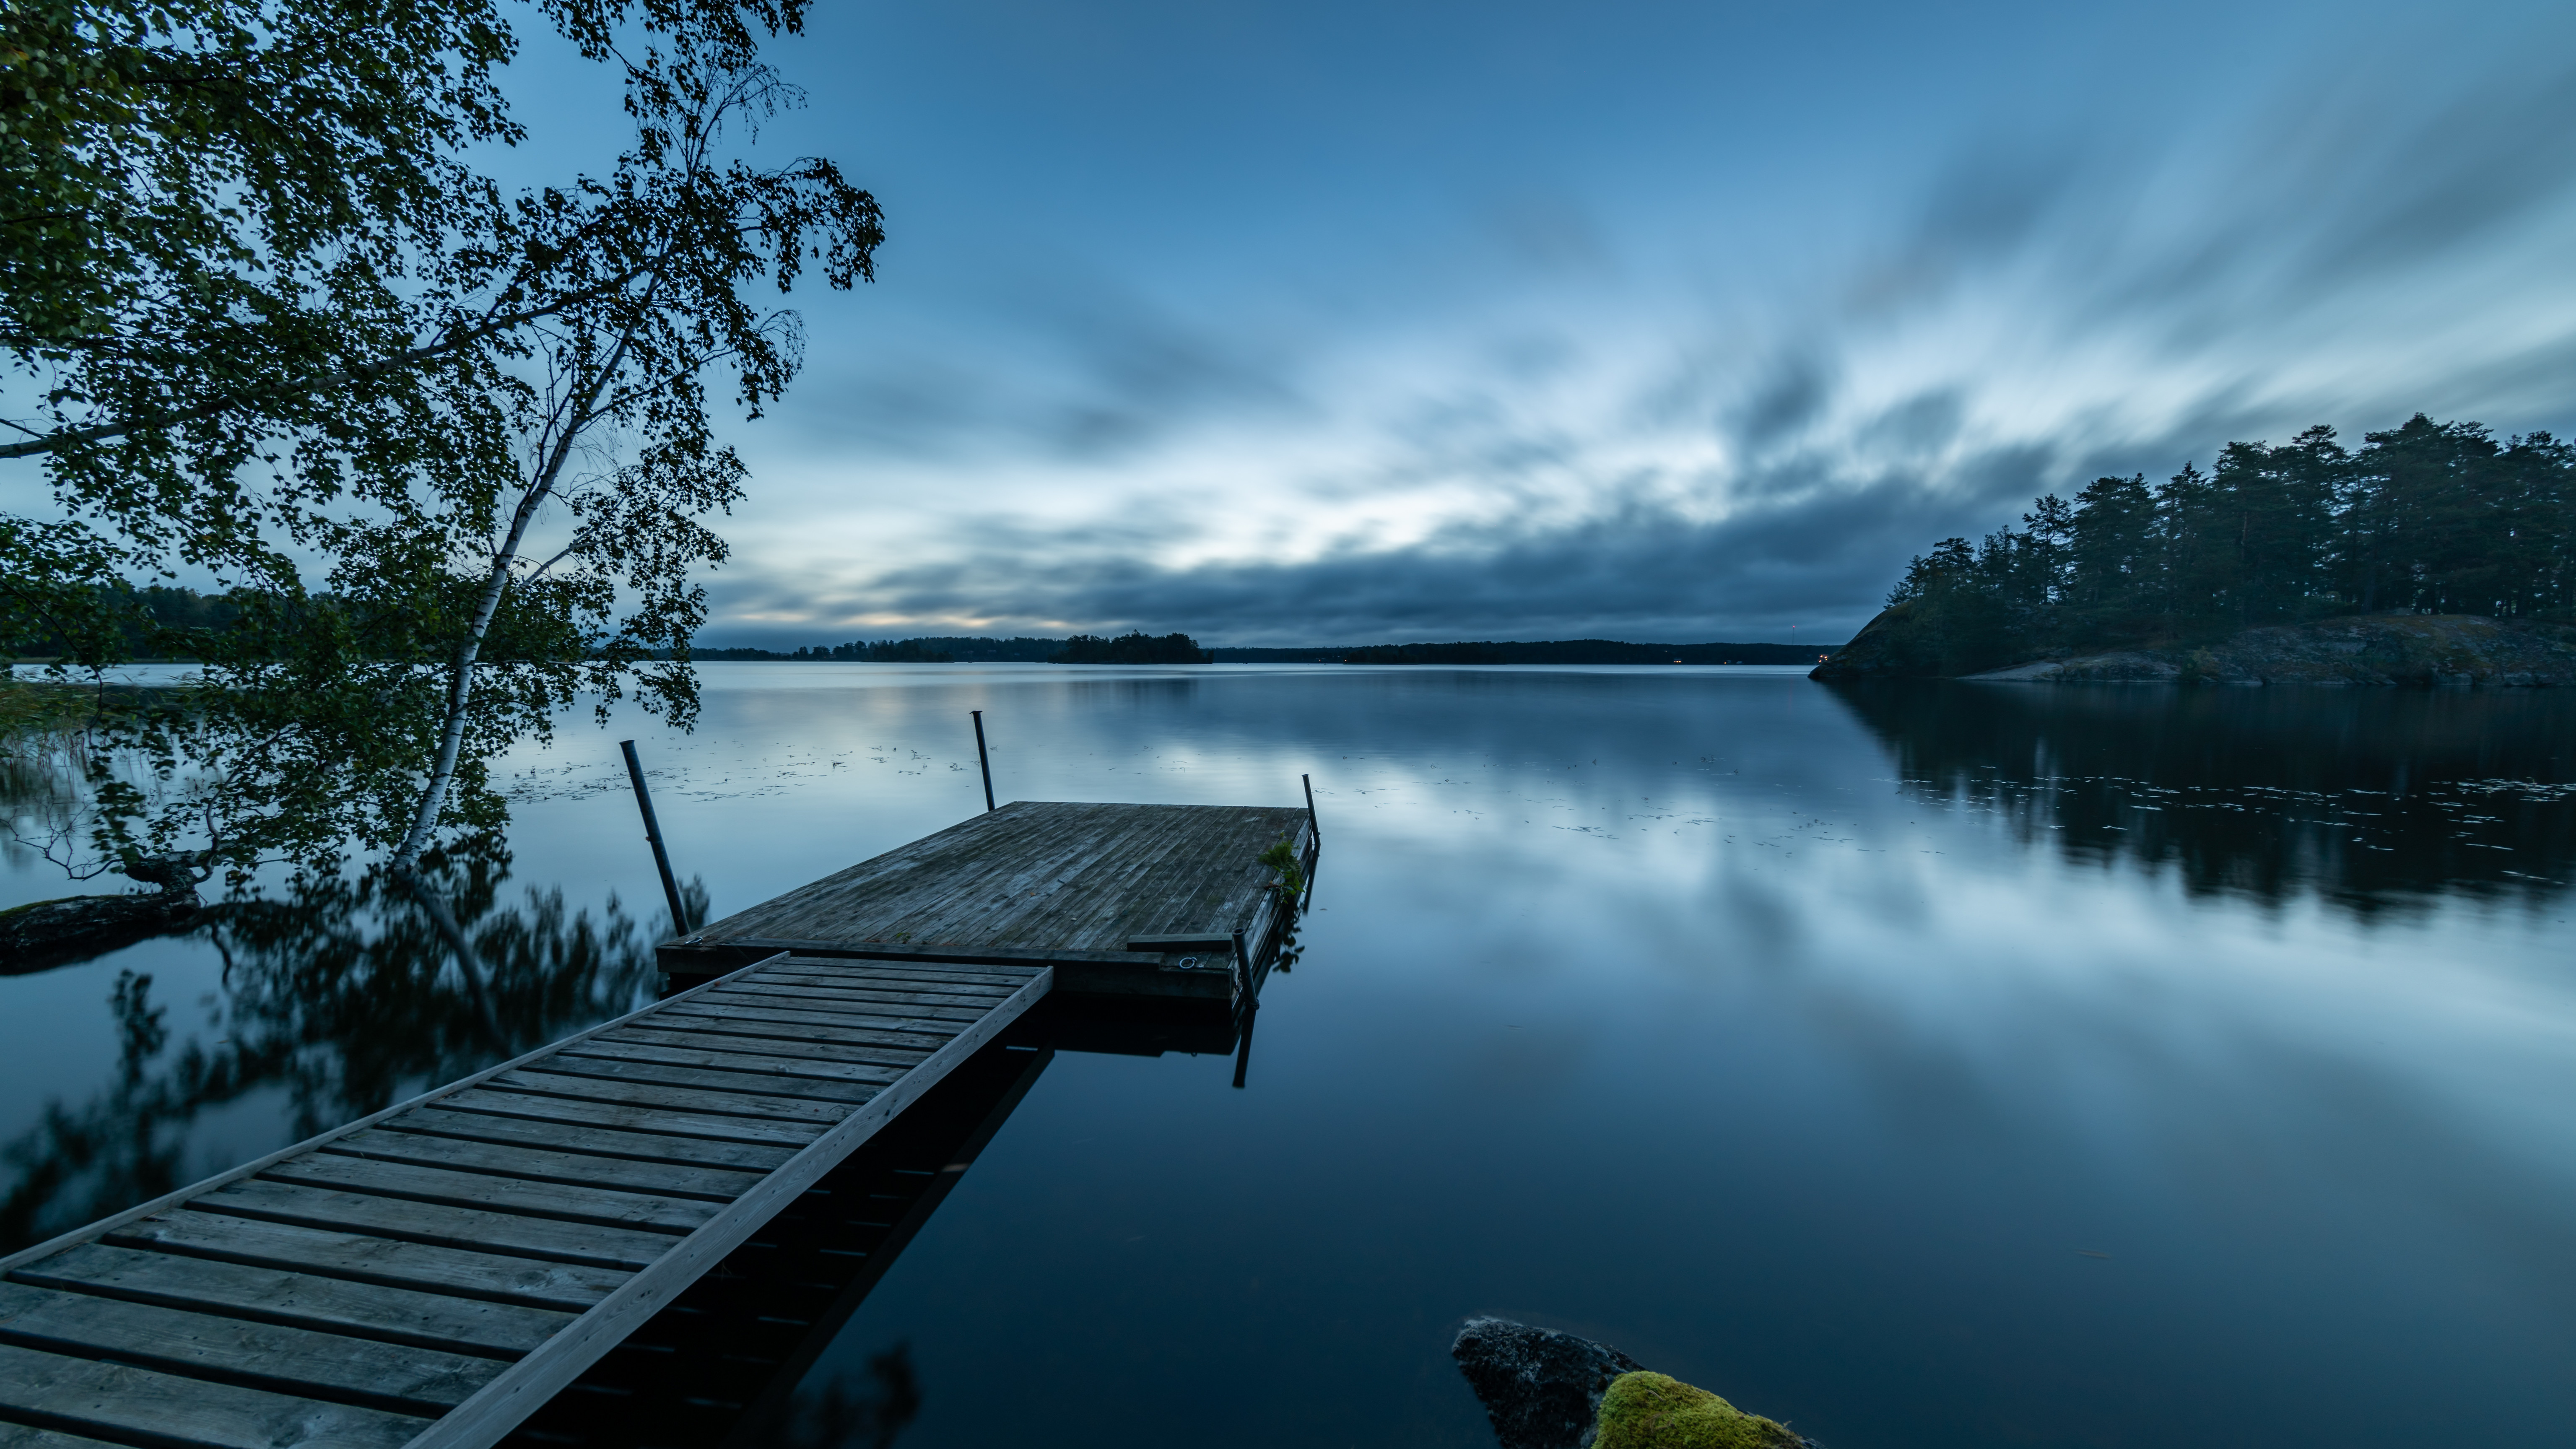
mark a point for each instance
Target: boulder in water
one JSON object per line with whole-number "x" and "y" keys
{"x": 1541, "y": 1388}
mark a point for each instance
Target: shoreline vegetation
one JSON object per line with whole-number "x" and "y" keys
{"x": 2435, "y": 554}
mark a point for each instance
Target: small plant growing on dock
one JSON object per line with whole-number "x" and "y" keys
{"x": 1281, "y": 857}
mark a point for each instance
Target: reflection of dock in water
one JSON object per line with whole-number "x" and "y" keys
{"x": 712, "y": 1182}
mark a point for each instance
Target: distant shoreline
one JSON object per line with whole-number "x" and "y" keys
{"x": 1474, "y": 651}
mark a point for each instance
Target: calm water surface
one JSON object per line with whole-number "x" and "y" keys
{"x": 1933, "y": 1066}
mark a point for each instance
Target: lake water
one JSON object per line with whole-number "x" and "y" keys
{"x": 1930, "y": 1066}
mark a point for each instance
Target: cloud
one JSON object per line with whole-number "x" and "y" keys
{"x": 1576, "y": 441}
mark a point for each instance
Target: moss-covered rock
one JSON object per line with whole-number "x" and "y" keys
{"x": 1657, "y": 1411}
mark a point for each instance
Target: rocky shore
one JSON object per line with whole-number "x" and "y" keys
{"x": 2420, "y": 650}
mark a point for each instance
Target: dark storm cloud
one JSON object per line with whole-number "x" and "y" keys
{"x": 1640, "y": 572}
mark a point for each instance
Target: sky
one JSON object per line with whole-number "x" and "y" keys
{"x": 1325, "y": 323}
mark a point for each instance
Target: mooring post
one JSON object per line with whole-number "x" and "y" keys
{"x": 653, "y": 833}
{"x": 1247, "y": 1006}
{"x": 1313, "y": 830}
{"x": 982, "y": 759}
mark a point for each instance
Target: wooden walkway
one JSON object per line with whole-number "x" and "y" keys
{"x": 427, "y": 1277}
{"x": 1135, "y": 900}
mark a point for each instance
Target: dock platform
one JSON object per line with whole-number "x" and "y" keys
{"x": 429, "y": 1276}
{"x": 1121, "y": 900}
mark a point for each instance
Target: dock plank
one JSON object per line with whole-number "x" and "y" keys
{"x": 821, "y": 1064}
{"x": 404, "y": 1379}
{"x": 764, "y": 1086}
{"x": 682, "y": 1100}
{"x": 661, "y": 1118}
{"x": 924, "y": 972}
{"x": 552, "y": 1201}
{"x": 842, "y": 1026}
{"x": 815, "y": 998}
{"x": 439, "y": 1224}
{"x": 792, "y": 1035}
{"x": 119, "y": 1401}
{"x": 27, "y": 1436}
{"x": 824, "y": 974}
{"x": 596, "y": 1140}
{"x": 292, "y": 1299}
{"x": 520, "y": 1282}
{"x": 395, "y": 1142}
{"x": 791, "y": 1044}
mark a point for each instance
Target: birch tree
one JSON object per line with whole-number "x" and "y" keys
{"x": 452, "y": 453}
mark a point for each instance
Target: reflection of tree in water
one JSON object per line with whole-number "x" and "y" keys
{"x": 843, "y": 1417}
{"x": 341, "y": 998}
{"x": 2368, "y": 797}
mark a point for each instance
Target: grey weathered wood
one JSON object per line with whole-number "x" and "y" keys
{"x": 820, "y": 1063}
{"x": 807, "y": 1045}
{"x": 21, "y": 1436}
{"x": 120, "y": 1401}
{"x": 254, "y": 1242}
{"x": 845, "y": 1027}
{"x": 761, "y": 1085}
{"x": 392, "y": 1376}
{"x": 397, "y": 1141}
{"x": 563, "y": 1202}
{"x": 1040, "y": 875}
{"x": 845, "y": 1014}
{"x": 437, "y": 1223}
{"x": 1006, "y": 978}
{"x": 812, "y": 998}
{"x": 826, "y": 1042}
{"x": 646, "y": 1148}
{"x": 660, "y": 1118}
{"x": 982, "y": 957}
{"x": 299, "y": 1300}
{"x": 499, "y": 1407}
{"x": 963, "y": 992}
{"x": 601, "y": 1174}
{"x": 675, "y": 1099}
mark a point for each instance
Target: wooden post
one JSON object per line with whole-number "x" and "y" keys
{"x": 653, "y": 833}
{"x": 983, "y": 760}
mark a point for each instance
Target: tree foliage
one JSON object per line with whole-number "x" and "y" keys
{"x": 1132, "y": 647}
{"x": 447, "y": 454}
{"x": 2425, "y": 518}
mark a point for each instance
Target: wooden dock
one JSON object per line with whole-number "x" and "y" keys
{"x": 1121, "y": 900}
{"x": 429, "y": 1276}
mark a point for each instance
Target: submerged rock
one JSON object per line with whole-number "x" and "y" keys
{"x": 1658, "y": 1411}
{"x": 1541, "y": 1388}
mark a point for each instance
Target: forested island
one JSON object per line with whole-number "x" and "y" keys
{"x": 2277, "y": 562}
